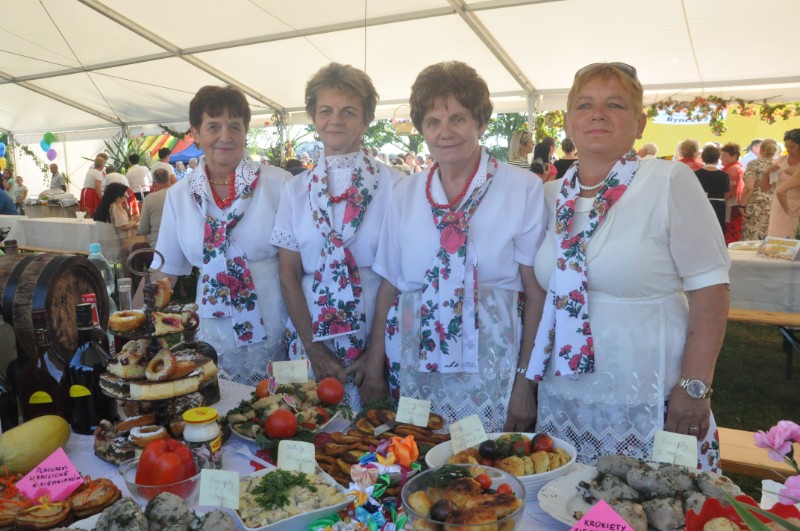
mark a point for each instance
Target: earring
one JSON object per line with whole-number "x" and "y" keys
{"x": 316, "y": 136}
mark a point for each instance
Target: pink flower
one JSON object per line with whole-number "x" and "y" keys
{"x": 339, "y": 327}
{"x": 322, "y": 300}
{"x": 452, "y": 239}
{"x": 575, "y": 361}
{"x": 362, "y": 476}
{"x": 778, "y": 440}
{"x": 612, "y": 194}
{"x": 351, "y": 211}
{"x": 588, "y": 348}
{"x": 577, "y": 296}
{"x": 352, "y": 353}
{"x": 790, "y": 493}
{"x": 440, "y": 331}
{"x": 570, "y": 242}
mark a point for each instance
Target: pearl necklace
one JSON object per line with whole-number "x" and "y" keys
{"x": 590, "y": 188}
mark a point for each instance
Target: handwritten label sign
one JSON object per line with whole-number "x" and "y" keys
{"x": 56, "y": 477}
{"x": 467, "y": 433}
{"x": 675, "y": 448}
{"x": 413, "y": 411}
{"x": 219, "y": 488}
{"x": 297, "y": 456}
{"x": 781, "y": 248}
{"x": 288, "y": 372}
{"x": 601, "y": 517}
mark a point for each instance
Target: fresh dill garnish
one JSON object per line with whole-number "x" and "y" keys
{"x": 270, "y": 493}
{"x": 446, "y": 474}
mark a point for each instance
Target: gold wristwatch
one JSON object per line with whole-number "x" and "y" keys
{"x": 694, "y": 388}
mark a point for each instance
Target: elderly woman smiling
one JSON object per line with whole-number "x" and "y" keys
{"x": 327, "y": 229}
{"x": 628, "y": 240}
{"x": 453, "y": 273}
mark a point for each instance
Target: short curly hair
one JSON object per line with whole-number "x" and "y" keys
{"x": 343, "y": 78}
{"x": 450, "y": 78}
{"x": 213, "y": 100}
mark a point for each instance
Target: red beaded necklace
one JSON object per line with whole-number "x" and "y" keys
{"x": 228, "y": 201}
{"x": 457, "y": 199}
{"x": 336, "y": 199}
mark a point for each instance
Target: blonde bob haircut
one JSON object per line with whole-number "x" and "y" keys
{"x": 768, "y": 148}
{"x": 606, "y": 71}
{"x": 450, "y": 78}
{"x": 346, "y": 79}
{"x": 519, "y": 138}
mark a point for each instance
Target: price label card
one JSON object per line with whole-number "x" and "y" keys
{"x": 413, "y": 411}
{"x": 467, "y": 433}
{"x": 55, "y": 477}
{"x": 675, "y": 448}
{"x": 288, "y": 372}
{"x": 297, "y": 456}
{"x": 219, "y": 488}
{"x": 601, "y": 517}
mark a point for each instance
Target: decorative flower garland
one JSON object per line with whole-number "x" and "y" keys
{"x": 714, "y": 107}
{"x": 42, "y": 165}
{"x": 176, "y": 134}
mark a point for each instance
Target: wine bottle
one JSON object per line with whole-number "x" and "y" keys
{"x": 88, "y": 405}
{"x": 40, "y": 387}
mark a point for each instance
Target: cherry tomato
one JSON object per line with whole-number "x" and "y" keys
{"x": 262, "y": 389}
{"x": 504, "y": 488}
{"x": 484, "y": 481}
{"x": 281, "y": 424}
{"x": 330, "y": 391}
{"x": 486, "y": 461}
{"x": 521, "y": 448}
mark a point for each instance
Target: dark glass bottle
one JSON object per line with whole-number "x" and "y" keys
{"x": 88, "y": 405}
{"x": 189, "y": 341}
{"x": 40, "y": 389}
{"x": 9, "y": 410}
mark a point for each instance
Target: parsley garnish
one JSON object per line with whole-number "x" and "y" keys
{"x": 448, "y": 473}
{"x": 271, "y": 492}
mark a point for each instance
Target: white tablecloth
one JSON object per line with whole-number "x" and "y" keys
{"x": 64, "y": 234}
{"x": 7, "y": 221}
{"x": 759, "y": 283}
{"x": 80, "y": 449}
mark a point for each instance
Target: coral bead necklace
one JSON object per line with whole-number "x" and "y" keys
{"x": 457, "y": 199}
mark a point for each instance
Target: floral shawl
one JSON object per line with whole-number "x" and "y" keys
{"x": 228, "y": 289}
{"x": 447, "y": 342}
{"x": 565, "y": 333}
{"x": 337, "y": 306}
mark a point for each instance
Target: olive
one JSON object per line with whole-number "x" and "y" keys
{"x": 489, "y": 491}
{"x": 442, "y": 509}
{"x": 488, "y": 449}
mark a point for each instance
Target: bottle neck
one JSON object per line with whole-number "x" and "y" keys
{"x": 124, "y": 300}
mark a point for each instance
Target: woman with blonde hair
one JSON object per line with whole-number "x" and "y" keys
{"x": 757, "y": 194}
{"x": 520, "y": 147}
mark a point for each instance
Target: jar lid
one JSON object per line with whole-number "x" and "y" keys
{"x": 200, "y": 415}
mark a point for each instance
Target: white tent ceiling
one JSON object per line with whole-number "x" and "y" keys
{"x": 68, "y": 65}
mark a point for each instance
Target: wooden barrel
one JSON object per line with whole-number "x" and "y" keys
{"x": 52, "y": 282}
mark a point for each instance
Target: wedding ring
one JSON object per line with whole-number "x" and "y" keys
{"x": 694, "y": 428}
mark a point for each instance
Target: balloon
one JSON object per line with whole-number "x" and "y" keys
{"x": 2, "y": 163}
{"x": 51, "y": 154}
{"x": 44, "y": 145}
{"x": 49, "y": 138}
{"x": 2, "y": 149}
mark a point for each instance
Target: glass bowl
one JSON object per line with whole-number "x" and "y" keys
{"x": 188, "y": 489}
{"x": 421, "y": 482}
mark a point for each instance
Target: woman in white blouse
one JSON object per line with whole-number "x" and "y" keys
{"x": 327, "y": 229}
{"x": 456, "y": 252}
{"x": 215, "y": 219}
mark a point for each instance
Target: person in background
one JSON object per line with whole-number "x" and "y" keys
{"x": 570, "y": 156}
{"x": 112, "y": 209}
{"x": 730, "y": 164}
{"x": 421, "y": 163}
{"x": 648, "y": 151}
{"x": 180, "y": 171}
{"x": 752, "y": 152}
{"x": 306, "y": 160}
{"x": 7, "y": 206}
{"x": 139, "y": 178}
{"x": 216, "y": 220}
{"x": 20, "y": 195}
{"x": 294, "y": 166}
{"x": 540, "y": 170}
{"x": 689, "y": 149}
{"x": 619, "y": 353}
{"x": 192, "y": 166}
{"x": 411, "y": 161}
{"x": 715, "y": 182}
{"x": 757, "y": 193}
{"x": 153, "y": 207}
{"x": 163, "y": 162}
{"x": 453, "y": 276}
{"x": 519, "y": 148}
{"x": 429, "y": 160}
{"x": 10, "y": 185}
{"x": 785, "y": 207}
{"x": 546, "y": 150}
{"x": 92, "y": 189}
{"x": 57, "y": 180}
{"x": 327, "y": 228}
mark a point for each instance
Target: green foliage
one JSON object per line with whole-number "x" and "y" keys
{"x": 549, "y": 123}
{"x": 502, "y": 127}
{"x": 42, "y": 165}
{"x": 120, "y": 147}
{"x": 381, "y": 133}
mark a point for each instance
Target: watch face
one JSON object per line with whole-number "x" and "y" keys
{"x": 696, "y": 388}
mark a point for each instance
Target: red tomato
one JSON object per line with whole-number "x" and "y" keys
{"x": 262, "y": 389}
{"x": 484, "y": 481}
{"x": 486, "y": 461}
{"x": 165, "y": 462}
{"x": 504, "y": 488}
{"x": 521, "y": 448}
{"x": 281, "y": 424}
{"x": 330, "y": 391}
